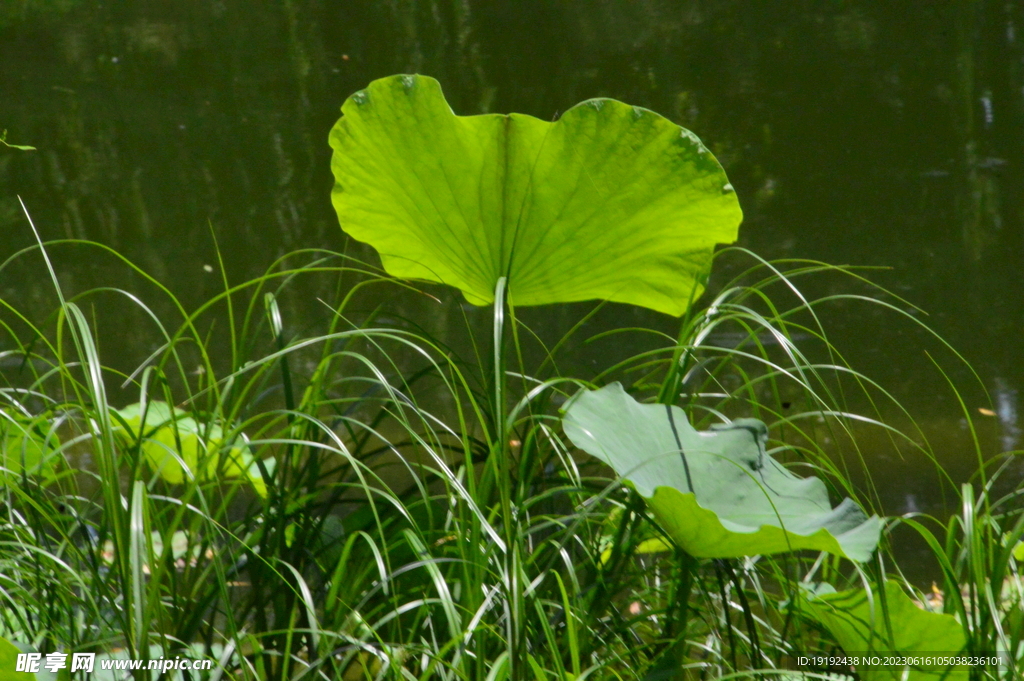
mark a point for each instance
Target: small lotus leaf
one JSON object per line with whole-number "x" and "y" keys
{"x": 27, "y": 444}
{"x": 170, "y": 434}
{"x": 717, "y": 494}
{"x": 858, "y": 624}
{"x": 645, "y": 539}
{"x": 609, "y": 202}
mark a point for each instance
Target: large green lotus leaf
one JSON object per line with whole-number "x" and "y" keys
{"x": 610, "y": 202}
{"x": 718, "y": 494}
{"x": 858, "y": 625}
{"x": 166, "y": 427}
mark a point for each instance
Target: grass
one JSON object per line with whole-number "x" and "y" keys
{"x": 424, "y": 516}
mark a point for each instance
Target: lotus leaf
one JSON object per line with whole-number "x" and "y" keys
{"x": 8, "y": 663}
{"x": 609, "y": 202}
{"x": 168, "y": 426}
{"x": 858, "y": 625}
{"x": 717, "y": 494}
{"x": 646, "y": 539}
{"x": 26, "y": 444}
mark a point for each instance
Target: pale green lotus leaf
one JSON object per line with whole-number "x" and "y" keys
{"x": 171, "y": 436}
{"x": 858, "y": 624}
{"x": 609, "y": 202}
{"x": 717, "y": 493}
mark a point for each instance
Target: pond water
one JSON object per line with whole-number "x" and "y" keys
{"x": 855, "y": 133}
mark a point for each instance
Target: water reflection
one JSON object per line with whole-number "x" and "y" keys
{"x": 1006, "y": 401}
{"x": 853, "y": 132}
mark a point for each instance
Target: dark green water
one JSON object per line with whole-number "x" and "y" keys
{"x": 863, "y": 132}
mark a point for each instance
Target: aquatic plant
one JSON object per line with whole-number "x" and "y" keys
{"x": 609, "y": 202}
{"x": 716, "y": 493}
{"x": 178, "y": 447}
{"x": 417, "y": 514}
{"x": 886, "y": 623}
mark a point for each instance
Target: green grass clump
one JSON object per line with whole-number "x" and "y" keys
{"x": 415, "y": 511}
